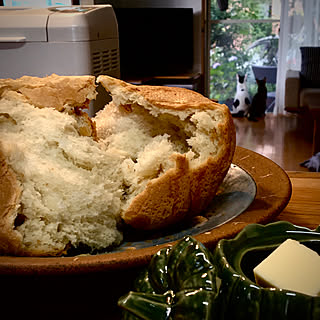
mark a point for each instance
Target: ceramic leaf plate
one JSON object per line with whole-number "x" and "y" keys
{"x": 189, "y": 279}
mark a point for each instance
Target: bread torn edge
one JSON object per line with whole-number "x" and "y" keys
{"x": 195, "y": 185}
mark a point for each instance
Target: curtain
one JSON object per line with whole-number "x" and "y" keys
{"x": 299, "y": 26}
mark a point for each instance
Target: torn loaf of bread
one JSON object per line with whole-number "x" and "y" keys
{"x": 178, "y": 146}
{"x": 58, "y": 189}
{"x": 153, "y": 156}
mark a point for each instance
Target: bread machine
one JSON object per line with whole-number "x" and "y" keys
{"x": 74, "y": 40}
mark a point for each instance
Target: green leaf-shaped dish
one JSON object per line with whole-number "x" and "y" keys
{"x": 186, "y": 281}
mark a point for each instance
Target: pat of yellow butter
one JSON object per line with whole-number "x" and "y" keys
{"x": 291, "y": 266}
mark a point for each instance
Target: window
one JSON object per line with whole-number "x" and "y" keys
{"x": 244, "y": 35}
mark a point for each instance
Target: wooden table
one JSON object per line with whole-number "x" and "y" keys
{"x": 304, "y": 206}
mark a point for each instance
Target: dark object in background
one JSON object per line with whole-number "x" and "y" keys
{"x": 310, "y": 67}
{"x": 155, "y": 41}
{"x": 223, "y": 4}
{"x": 259, "y": 101}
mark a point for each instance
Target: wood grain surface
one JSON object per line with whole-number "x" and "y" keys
{"x": 304, "y": 206}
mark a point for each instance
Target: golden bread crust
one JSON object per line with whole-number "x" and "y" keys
{"x": 53, "y": 91}
{"x": 182, "y": 191}
{"x": 160, "y": 96}
{"x": 165, "y": 201}
{"x": 57, "y": 92}
{"x": 10, "y": 192}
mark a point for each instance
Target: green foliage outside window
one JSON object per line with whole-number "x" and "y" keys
{"x": 229, "y": 52}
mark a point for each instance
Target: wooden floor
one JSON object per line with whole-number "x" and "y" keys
{"x": 285, "y": 139}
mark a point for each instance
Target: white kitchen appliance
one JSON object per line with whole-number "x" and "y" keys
{"x": 75, "y": 40}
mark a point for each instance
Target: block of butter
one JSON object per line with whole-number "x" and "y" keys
{"x": 291, "y": 266}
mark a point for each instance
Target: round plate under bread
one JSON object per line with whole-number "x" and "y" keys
{"x": 262, "y": 194}
{"x": 234, "y": 196}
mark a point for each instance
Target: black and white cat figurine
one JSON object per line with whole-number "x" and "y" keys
{"x": 259, "y": 101}
{"x": 241, "y": 102}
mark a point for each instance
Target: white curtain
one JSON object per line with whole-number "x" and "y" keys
{"x": 299, "y": 26}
